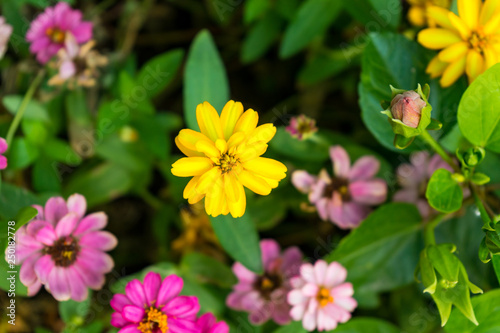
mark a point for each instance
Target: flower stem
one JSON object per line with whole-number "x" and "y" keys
{"x": 438, "y": 149}
{"x": 429, "y": 237}
{"x": 22, "y": 108}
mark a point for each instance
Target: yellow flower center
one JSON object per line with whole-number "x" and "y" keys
{"x": 478, "y": 41}
{"x": 56, "y": 35}
{"x": 227, "y": 162}
{"x": 154, "y": 320}
{"x": 324, "y": 297}
{"x": 63, "y": 251}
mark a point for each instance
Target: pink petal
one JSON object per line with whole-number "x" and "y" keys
{"x": 296, "y": 297}
{"x": 92, "y": 222}
{"x": 66, "y": 225}
{"x": 346, "y": 214}
{"x": 335, "y": 275}
{"x": 179, "y": 325}
{"x": 368, "y": 192}
{"x": 182, "y": 306}
{"x": 58, "y": 284}
{"x": 135, "y": 293}
{"x": 261, "y": 314}
{"x": 364, "y": 168}
{"x": 77, "y": 204}
{"x": 170, "y": 288}
{"x": 34, "y": 226}
{"x": 437, "y": 162}
{"x": 409, "y": 195}
{"x": 3, "y": 145}
{"x": 297, "y": 312}
{"x": 310, "y": 290}
{"x": 270, "y": 250}
{"x": 55, "y": 209}
{"x": 43, "y": 267}
{"x": 119, "y": 301}
{"x": 133, "y": 313}
{"x": 220, "y": 327}
{"x": 336, "y": 312}
{"x": 152, "y": 283}
{"x": 46, "y": 235}
{"x": 281, "y": 313}
{"x": 309, "y": 321}
{"x": 307, "y": 273}
{"x": 67, "y": 69}
{"x": 39, "y": 44}
{"x": 320, "y": 271}
{"x": 117, "y": 320}
{"x": 325, "y": 321}
{"x": 83, "y": 32}
{"x": 130, "y": 329}
{"x": 303, "y": 180}
{"x": 243, "y": 274}
{"x": 3, "y": 162}
{"x": 341, "y": 161}
{"x": 318, "y": 190}
{"x": 91, "y": 278}
{"x": 34, "y": 288}
{"x": 27, "y": 273}
{"x": 79, "y": 291}
{"x": 206, "y": 321}
{"x": 95, "y": 260}
{"x": 322, "y": 208}
{"x": 99, "y": 240}
{"x": 292, "y": 260}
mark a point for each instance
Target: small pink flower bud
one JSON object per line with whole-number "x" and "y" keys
{"x": 407, "y": 107}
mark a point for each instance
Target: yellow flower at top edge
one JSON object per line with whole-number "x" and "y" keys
{"x": 417, "y": 14}
{"x": 469, "y": 42}
{"x": 224, "y": 157}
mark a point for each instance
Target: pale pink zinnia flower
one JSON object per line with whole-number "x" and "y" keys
{"x": 302, "y": 127}
{"x": 63, "y": 250}
{"x": 155, "y": 307}
{"x": 321, "y": 298}
{"x": 346, "y": 198}
{"x": 48, "y": 31}
{"x": 3, "y": 149}
{"x": 208, "y": 324}
{"x": 264, "y": 296}
{"x": 413, "y": 178}
{"x": 5, "y": 32}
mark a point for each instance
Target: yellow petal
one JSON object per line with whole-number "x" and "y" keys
{"x": 209, "y": 122}
{"x": 453, "y": 52}
{"x": 231, "y": 112}
{"x": 208, "y": 180}
{"x": 191, "y": 166}
{"x": 475, "y": 65}
{"x": 247, "y": 122}
{"x": 492, "y": 26}
{"x": 237, "y": 208}
{"x": 208, "y": 148}
{"x": 236, "y": 139}
{"x": 272, "y": 182}
{"x": 490, "y": 8}
{"x": 231, "y": 187}
{"x": 252, "y": 151}
{"x": 266, "y": 167}
{"x": 416, "y": 16}
{"x": 436, "y": 67}
{"x": 254, "y": 183}
{"x": 188, "y": 152}
{"x": 221, "y": 145}
{"x": 214, "y": 200}
{"x": 453, "y": 72}
{"x": 262, "y": 133}
{"x": 190, "y": 189}
{"x": 225, "y": 207}
{"x": 436, "y": 39}
{"x": 194, "y": 199}
{"x": 469, "y": 11}
{"x": 440, "y": 16}
{"x": 460, "y": 26}
{"x": 490, "y": 57}
{"x": 188, "y": 138}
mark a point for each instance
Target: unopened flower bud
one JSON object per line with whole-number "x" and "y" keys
{"x": 302, "y": 127}
{"x": 407, "y": 107}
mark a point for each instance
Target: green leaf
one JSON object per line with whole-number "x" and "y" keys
{"x": 443, "y": 192}
{"x": 255, "y": 9}
{"x": 61, "y": 151}
{"x": 240, "y": 240}
{"x": 159, "y": 71}
{"x": 21, "y": 154}
{"x": 375, "y": 14}
{"x": 313, "y": 18}
{"x": 73, "y": 312}
{"x": 496, "y": 265}
{"x": 13, "y": 199}
{"x": 479, "y": 110}
{"x": 364, "y": 325}
{"x": 479, "y": 178}
{"x": 382, "y": 253}
{"x": 205, "y": 78}
{"x": 46, "y": 177}
{"x": 135, "y": 96}
{"x": 154, "y": 135}
{"x": 293, "y": 327}
{"x": 35, "y": 132}
{"x": 207, "y": 269}
{"x": 34, "y": 110}
{"x": 445, "y": 263}
{"x": 261, "y": 37}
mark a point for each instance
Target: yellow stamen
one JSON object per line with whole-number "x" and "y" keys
{"x": 56, "y": 35}
{"x": 155, "y": 320}
{"x": 227, "y": 163}
{"x": 324, "y": 297}
{"x": 267, "y": 283}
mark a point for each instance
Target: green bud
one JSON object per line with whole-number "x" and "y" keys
{"x": 479, "y": 178}
{"x": 473, "y": 156}
{"x": 447, "y": 284}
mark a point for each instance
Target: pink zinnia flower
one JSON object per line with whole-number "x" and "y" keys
{"x": 302, "y": 127}
{"x": 413, "y": 178}
{"x": 3, "y": 149}
{"x": 346, "y": 198}
{"x": 321, "y": 298}
{"x": 155, "y": 307}
{"x": 264, "y": 296}
{"x": 208, "y": 324}
{"x": 5, "y": 32}
{"x": 63, "y": 250}
{"x": 48, "y": 31}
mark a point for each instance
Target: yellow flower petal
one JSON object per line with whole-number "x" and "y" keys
{"x": 490, "y": 8}
{"x": 453, "y": 52}
{"x": 247, "y": 122}
{"x": 475, "y": 65}
{"x": 194, "y": 199}
{"x": 492, "y": 26}
{"x": 231, "y": 112}
{"x": 440, "y": 16}
{"x": 221, "y": 145}
{"x": 436, "y": 39}
{"x": 231, "y": 187}
{"x": 208, "y": 148}
{"x": 191, "y": 166}
{"x": 237, "y": 208}
{"x": 236, "y": 139}
{"x": 490, "y": 57}
{"x": 208, "y": 180}
{"x": 262, "y": 133}
{"x": 252, "y": 151}
{"x": 272, "y": 182}
{"x": 453, "y": 72}
{"x": 225, "y": 208}
{"x": 416, "y": 16}
{"x": 436, "y": 67}
{"x": 186, "y": 151}
{"x": 460, "y": 26}
{"x": 214, "y": 200}
{"x": 209, "y": 121}
{"x": 266, "y": 167}
{"x": 469, "y": 11}
{"x": 190, "y": 189}
{"x": 254, "y": 183}
{"x": 188, "y": 139}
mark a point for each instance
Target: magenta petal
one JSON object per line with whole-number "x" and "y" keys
{"x": 92, "y": 222}
{"x": 91, "y": 278}
{"x": 99, "y": 240}
{"x": 66, "y": 225}
{"x": 322, "y": 207}
{"x": 222, "y": 327}
{"x": 79, "y": 291}
{"x": 179, "y": 325}
{"x": 409, "y": 195}
{"x": 58, "y": 284}
{"x": 206, "y": 321}
{"x": 341, "y": 161}
{"x": 130, "y": 329}
{"x": 95, "y": 260}
{"x": 27, "y": 273}
{"x": 117, "y": 320}
{"x": 3, "y": 145}
{"x": 3, "y": 162}
{"x": 152, "y": 283}
{"x": 82, "y": 33}
{"x": 119, "y": 301}
{"x": 34, "y": 226}
{"x": 43, "y": 267}
{"x": 182, "y": 307}
{"x": 243, "y": 273}
{"x": 369, "y": 192}
{"x": 77, "y": 204}
{"x": 270, "y": 250}
{"x": 437, "y": 162}
{"x": 303, "y": 180}
{"x": 34, "y": 288}
{"x": 170, "y": 288}
{"x": 133, "y": 313}
{"x": 46, "y": 235}
{"x": 135, "y": 293}
{"x": 364, "y": 168}
{"x": 55, "y": 209}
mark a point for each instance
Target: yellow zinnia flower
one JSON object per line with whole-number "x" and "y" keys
{"x": 469, "y": 42}
{"x": 224, "y": 157}
{"x": 417, "y": 14}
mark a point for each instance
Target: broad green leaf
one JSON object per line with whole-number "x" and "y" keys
{"x": 375, "y": 14}
{"x": 13, "y": 199}
{"x": 46, "y": 175}
{"x": 60, "y": 151}
{"x": 479, "y": 110}
{"x": 255, "y": 9}
{"x": 445, "y": 262}
{"x": 135, "y": 95}
{"x": 208, "y": 299}
{"x": 154, "y": 135}
{"x": 34, "y": 110}
{"x": 496, "y": 265}
{"x": 284, "y": 143}
{"x": 204, "y": 268}
{"x": 112, "y": 116}
{"x": 205, "y": 78}
{"x": 261, "y": 37}
{"x": 364, "y": 325}
{"x": 443, "y": 192}
{"x": 382, "y": 253}
{"x": 293, "y": 327}
{"x": 240, "y": 240}
{"x": 313, "y": 18}
{"x": 158, "y": 72}
{"x": 73, "y": 312}
{"x": 266, "y": 212}
{"x": 11, "y": 10}
{"x": 22, "y": 153}
{"x": 35, "y": 132}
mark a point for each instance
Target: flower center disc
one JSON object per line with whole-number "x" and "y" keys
{"x": 227, "y": 162}
{"x": 56, "y": 35}
{"x": 267, "y": 283}
{"x": 337, "y": 185}
{"x": 154, "y": 320}
{"x": 478, "y": 41}
{"x": 64, "y": 251}
{"x": 324, "y": 297}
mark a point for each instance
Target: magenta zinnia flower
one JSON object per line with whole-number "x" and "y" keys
{"x": 208, "y": 324}
{"x": 3, "y": 149}
{"x": 63, "y": 250}
{"x": 48, "y": 31}
{"x": 264, "y": 296}
{"x": 321, "y": 298}
{"x": 155, "y": 307}
{"x": 346, "y": 198}
{"x": 413, "y": 178}
{"x": 5, "y": 32}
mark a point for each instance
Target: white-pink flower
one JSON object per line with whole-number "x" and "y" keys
{"x": 5, "y": 32}
{"x": 321, "y": 298}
